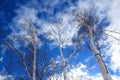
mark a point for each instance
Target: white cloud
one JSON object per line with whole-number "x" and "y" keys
{"x": 79, "y": 72}
{"x": 5, "y": 77}
{"x": 1, "y": 59}
{"x": 68, "y": 27}
{"x": 88, "y": 59}
{"x": 69, "y": 31}
{"x": 76, "y": 73}
{"x": 2, "y": 78}
{"x": 115, "y": 77}
{"x": 114, "y": 50}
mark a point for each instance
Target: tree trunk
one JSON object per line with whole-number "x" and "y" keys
{"x": 63, "y": 64}
{"x": 61, "y": 56}
{"x": 34, "y": 64}
{"x": 34, "y": 56}
{"x": 101, "y": 64}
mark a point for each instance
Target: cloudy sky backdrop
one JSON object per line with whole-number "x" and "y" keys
{"x": 46, "y": 12}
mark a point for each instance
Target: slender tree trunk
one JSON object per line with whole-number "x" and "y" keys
{"x": 34, "y": 56}
{"x": 63, "y": 64}
{"x": 62, "y": 57}
{"x": 105, "y": 73}
{"x": 34, "y": 64}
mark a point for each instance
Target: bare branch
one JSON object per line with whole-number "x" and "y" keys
{"x": 20, "y": 56}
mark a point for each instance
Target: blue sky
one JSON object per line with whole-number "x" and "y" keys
{"x": 45, "y": 13}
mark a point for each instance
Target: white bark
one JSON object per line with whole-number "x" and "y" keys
{"x": 34, "y": 57}
{"x": 97, "y": 56}
{"x": 61, "y": 55}
{"x": 34, "y": 64}
{"x": 63, "y": 63}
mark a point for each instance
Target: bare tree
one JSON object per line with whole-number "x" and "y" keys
{"x": 31, "y": 36}
{"x": 60, "y": 43}
{"x": 58, "y": 33}
{"x": 28, "y": 34}
{"x": 85, "y": 19}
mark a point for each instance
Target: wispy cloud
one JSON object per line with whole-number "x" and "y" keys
{"x": 4, "y": 77}
{"x": 1, "y": 59}
{"x": 68, "y": 28}
{"x": 114, "y": 45}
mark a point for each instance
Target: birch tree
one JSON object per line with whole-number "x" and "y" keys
{"x": 87, "y": 20}
{"x": 28, "y": 34}
{"x": 57, "y": 30}
{"x": 25, "y": 44}
{"x": 61, "y": 34}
